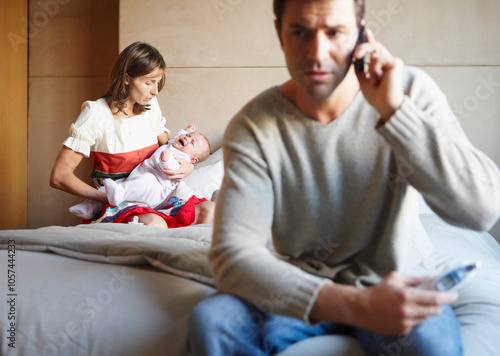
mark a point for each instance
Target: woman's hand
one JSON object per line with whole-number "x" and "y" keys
{"x": 63, "y": 177}
{"x": 184, "y": 170}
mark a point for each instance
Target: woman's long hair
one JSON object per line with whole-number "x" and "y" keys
{"x": 136, "y": 60}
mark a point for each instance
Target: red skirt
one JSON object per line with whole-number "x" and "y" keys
{"x": 179, "y": 213}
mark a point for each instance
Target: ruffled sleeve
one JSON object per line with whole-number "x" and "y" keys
{"x": 86, "y": 130}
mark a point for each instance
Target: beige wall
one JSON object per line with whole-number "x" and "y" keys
{"x": 71, "y": 50}
{"x": 454, "y": 41}
{"x": 220, "y": 53}
{"x": 218, "y": 57}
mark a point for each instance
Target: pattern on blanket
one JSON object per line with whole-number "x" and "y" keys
{"x": 178, "y": 213}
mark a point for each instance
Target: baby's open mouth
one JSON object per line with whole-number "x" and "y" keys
{"x": 182, "y": 141}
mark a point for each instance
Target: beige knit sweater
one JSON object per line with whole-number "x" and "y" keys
{"x": 339, "y": 201}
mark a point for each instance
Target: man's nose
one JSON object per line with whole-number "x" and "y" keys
{"x": 319, "y": 47}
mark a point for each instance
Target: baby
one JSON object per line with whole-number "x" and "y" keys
{"x": 147, "y": 183}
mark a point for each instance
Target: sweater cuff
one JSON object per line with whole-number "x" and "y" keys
{"x": 312, "y": 301}
{"x": 404, "y": 129}
{"x": 301, "y": 299}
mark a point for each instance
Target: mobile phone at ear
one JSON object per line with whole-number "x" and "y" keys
{"x": 359, "y": 64}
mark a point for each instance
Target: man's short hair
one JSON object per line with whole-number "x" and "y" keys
{"x": 279, "y": 9}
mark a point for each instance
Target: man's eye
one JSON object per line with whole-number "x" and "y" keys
{"x": 300, "y": 33}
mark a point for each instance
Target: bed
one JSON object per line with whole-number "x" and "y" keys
{"x": 118, "y": 289}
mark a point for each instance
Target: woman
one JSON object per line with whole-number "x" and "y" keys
{"x": 119, "y": 131}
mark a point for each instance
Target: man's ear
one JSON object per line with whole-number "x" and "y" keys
{"x": 278, "y": 31}
{"x": 194, "y": 160}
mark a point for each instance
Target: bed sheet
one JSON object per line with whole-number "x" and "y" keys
{"x": 478, "y": 307}
{"x": 67, "y": 306}
{"x": 101, "y": 289}
{"x": 59, "y": 296}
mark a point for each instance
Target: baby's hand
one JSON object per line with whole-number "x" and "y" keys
{"x": 191, "y": 128}
{"x": 165, "y": 155}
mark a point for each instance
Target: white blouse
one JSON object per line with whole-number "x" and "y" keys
{"x": 97, "y": 130}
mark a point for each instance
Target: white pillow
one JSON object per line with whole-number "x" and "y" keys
{"x": 205, "y": 179}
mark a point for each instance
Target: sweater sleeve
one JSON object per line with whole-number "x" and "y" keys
{"x": 241, "y": 261}
{"x": 460, "y": 183}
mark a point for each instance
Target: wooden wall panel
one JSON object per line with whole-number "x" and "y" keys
{"x": 13, "y": 114}
{"x": 70, "y": 56}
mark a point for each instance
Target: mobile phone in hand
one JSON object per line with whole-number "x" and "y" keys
{"x": 452, "y": 278}
{"x": 359, "y": 64}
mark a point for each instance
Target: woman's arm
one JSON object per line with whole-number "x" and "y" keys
{"x": 163, "y": 138}
{"x": 63, "y": 177}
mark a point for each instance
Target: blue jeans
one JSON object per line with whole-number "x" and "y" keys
{"x": 226, "y": 325}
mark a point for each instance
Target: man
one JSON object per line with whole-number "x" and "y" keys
{"x": 328, "y": 167}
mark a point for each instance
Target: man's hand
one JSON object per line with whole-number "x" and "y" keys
{"x": 395, "y": 307}
{"x": 382, "y": 80}
{"x": 392, "y": 307}
{"x": 184, "y": 170}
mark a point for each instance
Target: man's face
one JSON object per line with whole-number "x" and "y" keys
{"x": 318, "y": 38}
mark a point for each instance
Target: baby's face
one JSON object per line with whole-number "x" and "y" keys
{"x": 192, "y": 144}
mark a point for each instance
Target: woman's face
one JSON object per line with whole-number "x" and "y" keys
{"x": 144, "y": 88}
